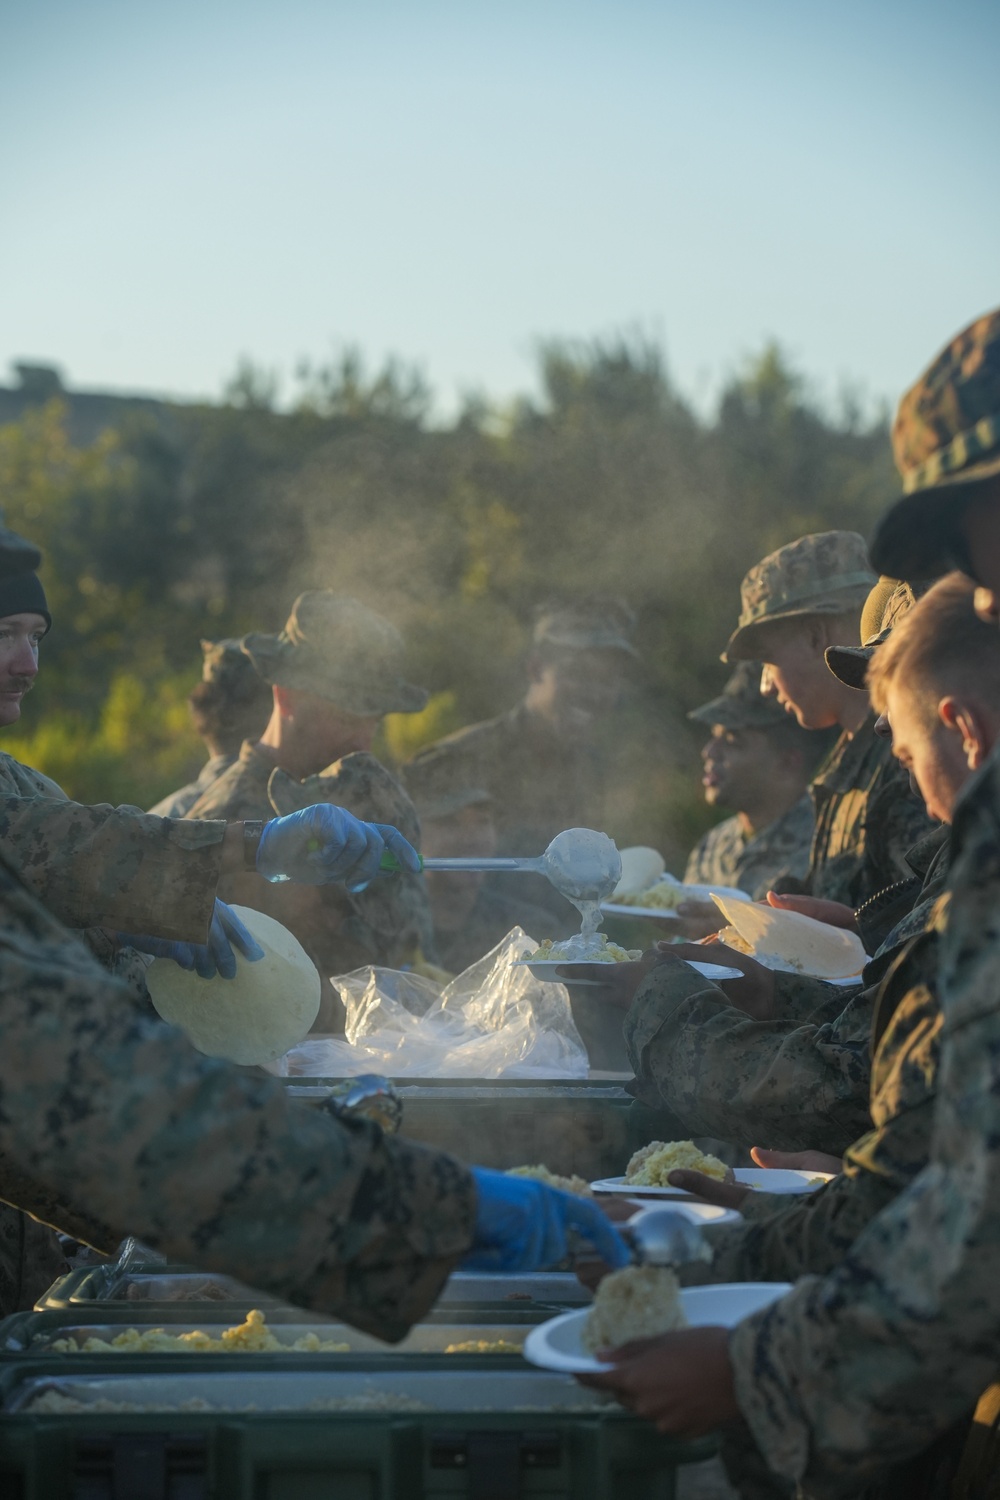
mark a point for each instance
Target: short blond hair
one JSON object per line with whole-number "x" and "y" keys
{"x": 940, "y": 647}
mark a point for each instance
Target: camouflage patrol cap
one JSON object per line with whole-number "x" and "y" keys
{"x": 946, "y": 442}
{"x": 740, "y": 704}
{"x": 338, "y": 648}
{"x": 887, "y": 603}
{"x": 825, "y": 573}
{"x": 595, "y": 624}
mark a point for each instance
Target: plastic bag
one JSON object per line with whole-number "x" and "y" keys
{"x": 492, "y": 1021}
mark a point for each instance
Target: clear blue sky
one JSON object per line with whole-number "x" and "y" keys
{"x": 184, "y": 183}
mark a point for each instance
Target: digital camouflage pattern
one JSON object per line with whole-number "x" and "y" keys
{"x": 384, "y": 924}
{"x": 103, "y": 866}
{"x": 540, "y": 783}
{"x": 867, "y": 819}
{"x": 798, "y": 1082}
{"x": 726, "y": 855}
{"x": 946, "y": 442}
{"x": 597, "y": 624}
{"x": 825, "y": 573}
{"x": 178, "y": 804}
{"x": 791, "y": 1084}
{"x": 864, "y": 1367}
{"x": 112, "y": 1124}
{"x": 488, "y": 923}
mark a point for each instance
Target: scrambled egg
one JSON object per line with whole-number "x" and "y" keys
{"x": 572, "y": 1184}
{"x": 251, "y": 1337}
{"x": 599, "y": 951}
{"x": 662, "y": 897}
{"x": 634, "y": 1303}
{"x": 651, "y": 1166}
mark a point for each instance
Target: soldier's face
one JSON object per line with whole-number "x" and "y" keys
{"x": 737, "y": 765}
{"x": 580, "y": 687}
{"x": 20, "y": 636}
{"x": 932, "y": 751}
{"x": 796, "y": 674}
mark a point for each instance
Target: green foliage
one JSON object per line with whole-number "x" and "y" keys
{"x": 208, "y": 520}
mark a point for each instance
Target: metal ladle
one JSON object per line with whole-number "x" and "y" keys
{"x": 580, "y": 862}
{"x": 664, "y": 1237}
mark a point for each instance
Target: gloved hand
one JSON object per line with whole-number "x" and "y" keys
{"x": 323, "y": 843}
{"x": 216, "y": 956}
{"x": 522, "y": 1225}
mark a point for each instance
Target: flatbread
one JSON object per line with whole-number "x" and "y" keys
{"x": 787, "y": 940}
{"x": 254, "y": 1018}
{"x": 641, "y": 868}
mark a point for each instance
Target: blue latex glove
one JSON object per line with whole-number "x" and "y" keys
{"x": 522, "y": 1225}
{"x": 324, "y": 843}
{"x": 214, "y": 957}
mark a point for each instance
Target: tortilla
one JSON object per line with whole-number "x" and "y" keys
{"x": 787, "y": 940}
{"x": 641, "y": 868}
{"x": 254, "y": 1018}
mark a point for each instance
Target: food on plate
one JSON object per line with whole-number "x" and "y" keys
{"x": 483, "y": 1346}
{"x": 593, "y": 948}
{"x": 664, "y": 896}
{"x": 254, "y": 1018}
{"x": 572, "y": 1184}
{"x": 788, "y": 941}
{"x": 651, "y": 1165}
{"x": 250, "y": 1337}
{"x": 635, "y": 1303}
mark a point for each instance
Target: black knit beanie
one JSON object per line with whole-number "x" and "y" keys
{"x": 22, "y": 594}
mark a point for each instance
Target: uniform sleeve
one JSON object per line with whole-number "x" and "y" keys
{"x": 868, "y": 1365}
{"x": 111, "y": 1123}
{"x": 115, "y": 867}
{"x": 784, "y": 1084}
{"x": 895, "y": 821}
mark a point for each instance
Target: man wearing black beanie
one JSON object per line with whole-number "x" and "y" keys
{"x": 24, "y": 620}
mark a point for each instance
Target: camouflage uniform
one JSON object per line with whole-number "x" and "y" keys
{"x": 490, "y": 920}
{"x": 111, "y": 1123}
{"x": 540, "y": 780}
{"x": 774, "y": 856}
{"x": 798, "y": 1082}
{"x": 864, "y": 1367}
{"x": 385, "y": 923}
{"x": 178, "y": 804}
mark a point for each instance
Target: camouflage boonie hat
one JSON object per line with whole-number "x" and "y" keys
{"x": 887, "y": 603}
{"x": 587, "y": 625}
{"x": 16, "y": 554}
{"x": 825, "y": 573}
{"x": 334, "y": 646}
{"x": 946, "y": 443}
{"x": 740, "y": 704}
{"x": 435, "y": 793}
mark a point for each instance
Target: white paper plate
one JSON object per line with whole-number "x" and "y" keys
{"x": 547, "y": 969}
{"x": 706, "y": 1214}
{"x": 768, "y": 1180}
{"x": 557, "y": 1345}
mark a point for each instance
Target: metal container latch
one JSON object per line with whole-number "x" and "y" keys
{"x": 494, "y": 1459}
{"x": 141, "y": 1466}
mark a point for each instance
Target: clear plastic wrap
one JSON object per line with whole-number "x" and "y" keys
{"x": 493, "y": 1021}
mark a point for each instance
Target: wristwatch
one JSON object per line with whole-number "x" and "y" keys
{"x": 253, "y": 829}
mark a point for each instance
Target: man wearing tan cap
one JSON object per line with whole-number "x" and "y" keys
{"x": 335, "y": 671}
{"x": 796, "y": 603}
{"x": 537, "y": 761}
